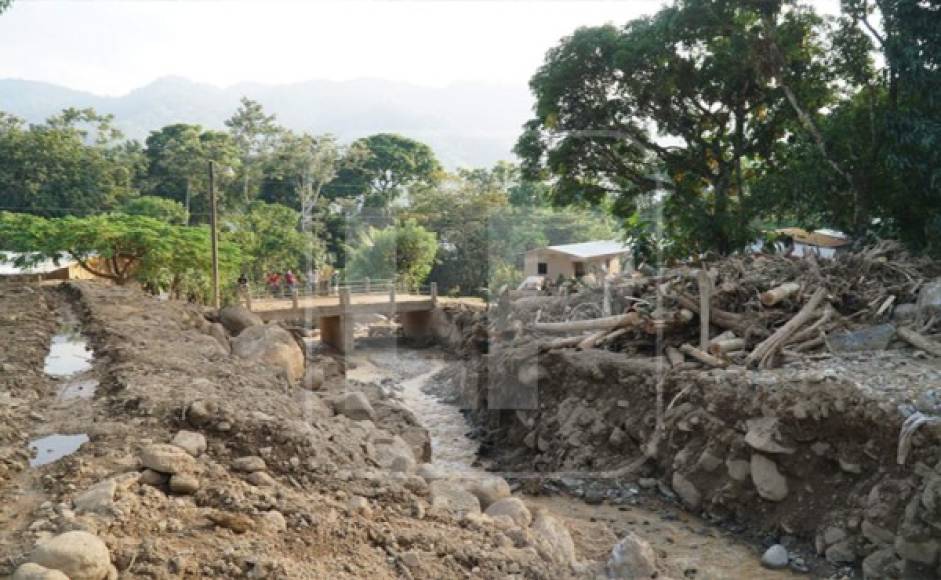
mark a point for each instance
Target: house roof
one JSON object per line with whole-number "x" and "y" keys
{"x": 8, "y": 268}
{"x": 589, "y": 249}
{"x": 819, "y": 238}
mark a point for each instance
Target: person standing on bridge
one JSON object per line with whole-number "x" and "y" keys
{"x": 290, "y": 282}
{"x": 274, "y": 283}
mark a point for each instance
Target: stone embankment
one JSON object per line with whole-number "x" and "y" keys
{"x": 838, "y": 454}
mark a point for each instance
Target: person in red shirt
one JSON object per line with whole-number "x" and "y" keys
{"x": 274, "y": 283}
{"x": 290, "y": 281}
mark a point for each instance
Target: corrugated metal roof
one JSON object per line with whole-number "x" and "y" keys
{"x": 819, "y": 238}
{"x": 7, "y": 268}
{"x": 589, "y": 249}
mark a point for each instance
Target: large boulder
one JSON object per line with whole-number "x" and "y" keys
{"x": 79, "y": 555}
{"x": 632, "y": 559}
{"x": 394, "y": 454}
{"x": 553, "y": 540}
{"x": 513, "y": 508}
{"x": 190, "y": 441}
{"x": 30, "y": 571}
{"x": 489, "y": 490}
{"x": 449, "y": 495}
{"x": 271, "y": 345}
{"x": 769, "y": 482}
{"x": 355, "y": 405}
{"x": 929, "y": 298}
{"x": 235, "y": 319}
{"x": 167, "y": 458}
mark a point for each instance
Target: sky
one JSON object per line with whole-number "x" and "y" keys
{"x": 110, "y": 48}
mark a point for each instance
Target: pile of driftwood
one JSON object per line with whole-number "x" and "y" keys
{"x": 756, "y": 311}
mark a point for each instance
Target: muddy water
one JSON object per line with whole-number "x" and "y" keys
{"x": 70, "y": 361}
{"x": 690, "y": 547}
{"x": 410, "y": 372}
{"x": 54, "y": 447}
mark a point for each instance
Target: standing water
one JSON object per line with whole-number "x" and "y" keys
{"x": 69, "y": 360}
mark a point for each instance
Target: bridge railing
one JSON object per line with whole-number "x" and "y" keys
{"x": 365, "y": 286}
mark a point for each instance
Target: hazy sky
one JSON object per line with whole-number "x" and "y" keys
{"x": 113, "y": 47}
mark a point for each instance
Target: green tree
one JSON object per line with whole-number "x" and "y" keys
{"x": 387, "y": 166}
{"x": 270, "y": 240}
{"x": 254, "y": 133}
{"x": 4, "y": 4}
{"x": 122, "y": 248}
{"x": 71, "y": 164}
{"x": 405, "y": 252}
{"x": 482, "y": 235}
{"x": 163, "y": 209}
{"x": 683, "y": 101}
{"x": 178, "y": 166}
{"x": 870, "y": 163}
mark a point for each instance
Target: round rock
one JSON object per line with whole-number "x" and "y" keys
{"x": 513, "y": 508}
{"x": 31, "y": 571}
{"x": 79, "y": 555}
{"x": 775, "y": 557}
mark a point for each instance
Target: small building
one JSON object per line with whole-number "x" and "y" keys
{"x": 823, "y": 243}
{"x": 62, "y": 269}
{"x": 576, "y": 260}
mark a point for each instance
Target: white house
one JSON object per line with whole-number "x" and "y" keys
{"x": 575, "y": 260}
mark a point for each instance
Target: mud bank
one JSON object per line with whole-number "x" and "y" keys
{"x": 200, "y": 462}
{"x": 804, "y": 454}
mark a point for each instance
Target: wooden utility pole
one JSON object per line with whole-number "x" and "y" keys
{"x": 214, "y": 236}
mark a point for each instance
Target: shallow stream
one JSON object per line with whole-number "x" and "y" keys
{"x": 692, "y": 548}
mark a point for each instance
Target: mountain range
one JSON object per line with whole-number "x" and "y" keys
{"x": 467, "y": 124}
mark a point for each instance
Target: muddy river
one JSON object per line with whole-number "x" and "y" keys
{"x": 690, "y": 547}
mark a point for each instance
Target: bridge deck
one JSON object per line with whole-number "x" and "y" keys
{"x": 315, "y": 306}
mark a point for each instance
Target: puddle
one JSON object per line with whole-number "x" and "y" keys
{"x": 54, "y": 447}
{"x": 78, "y": 389}
{"x": 69, "y": 354}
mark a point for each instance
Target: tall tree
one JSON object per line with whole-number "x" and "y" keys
{"x": 299, "y": 168}
{"x": 388, "y": 165}
{"x": 73, "y": 163}
{"x": 178, "y": 166}
{"x": 254, "y": 133}
{"x": 683, "y": 101}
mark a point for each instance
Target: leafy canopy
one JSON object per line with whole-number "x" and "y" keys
{"x": 122, "y": 248}
{"x": 404, "y": 252}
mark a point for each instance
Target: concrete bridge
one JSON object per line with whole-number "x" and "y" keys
{"x": 335, "y": 313}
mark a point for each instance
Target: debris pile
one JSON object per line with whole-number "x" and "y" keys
{"x": 756, "y": 311}
{"x": 774, "y": 394}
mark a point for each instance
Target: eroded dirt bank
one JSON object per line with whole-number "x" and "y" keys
{"x": 203, "y": 464}
{"x": 805, "y": 455}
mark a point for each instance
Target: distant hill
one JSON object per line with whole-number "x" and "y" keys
{"x": 469, "y": 124}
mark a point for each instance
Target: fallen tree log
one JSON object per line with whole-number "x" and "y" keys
{"x": 720, "y": 318}
{"x": 766, "y": 349}
{"x": 675, "y": 357}
{"x": 703, "y": 357}
{"x": 919, "y": 340}
{"x": 726, "y": 346}
{"x": 606, "y": 323}
{"x": 779, "y": 294}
